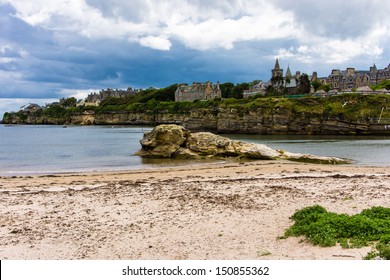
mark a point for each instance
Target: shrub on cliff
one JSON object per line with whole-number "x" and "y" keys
{"x": 165, "y": 94}
{"x": 139, "y": 102}
{"x": 55, "y": 111}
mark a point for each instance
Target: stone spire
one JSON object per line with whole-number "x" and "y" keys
{"x": 288, "y": 73}
{"x": 277, "y": 67}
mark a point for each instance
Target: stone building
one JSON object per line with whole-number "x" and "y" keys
{"x": 340, "y": 80}
{"x": 256, "y": 89}
{"x": 350, "y": 78}
{"x": 30, "y": 107}
{"x": 197, "y": 91}
{"x": 106, "y": 93}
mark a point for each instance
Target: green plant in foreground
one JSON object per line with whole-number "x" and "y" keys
{"x": 323, "y": 228}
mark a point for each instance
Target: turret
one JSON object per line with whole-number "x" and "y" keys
{"x": 373, "y": 69}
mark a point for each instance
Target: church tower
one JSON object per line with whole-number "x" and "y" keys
{"x": 277, "y": 71}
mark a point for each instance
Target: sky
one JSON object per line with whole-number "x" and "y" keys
{"x": 51, "y": 49}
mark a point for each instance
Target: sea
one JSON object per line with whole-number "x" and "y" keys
{"x": 39, "y": 149}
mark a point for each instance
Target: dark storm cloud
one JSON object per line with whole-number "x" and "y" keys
{"x": 54, "y": 48}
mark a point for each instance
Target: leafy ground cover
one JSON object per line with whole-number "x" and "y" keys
{"x": 323, "y": 228}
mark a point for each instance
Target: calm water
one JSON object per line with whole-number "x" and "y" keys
{"x": 52, "y": 149}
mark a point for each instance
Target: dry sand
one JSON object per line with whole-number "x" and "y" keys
{"x": 211, "y": 211}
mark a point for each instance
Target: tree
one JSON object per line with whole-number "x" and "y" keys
{"x": 278, "y": 87}
{"x": 254, "y": 82}
{"x": 166, "y": 94}
{"x": 68, "y": 102}
{"x": 316, "y": 84}
{"x": 226, "y": 89}
{"x": 287, "y": 81}
{"x": 381, "y": 85}
{"x": 269, "y": 90}
{"x": 303, "y": 84}
{"x": 325, "y": 87}
{"x": 238, "y": 90}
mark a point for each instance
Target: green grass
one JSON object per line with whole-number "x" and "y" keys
{"x": 323, "y": 228}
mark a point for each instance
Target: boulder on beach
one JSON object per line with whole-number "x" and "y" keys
{"x": 174, "y": 141}
{"x": 163, "y": 141}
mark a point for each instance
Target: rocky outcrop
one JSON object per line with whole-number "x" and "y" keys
{"x": 174, "y": 141}
{"x": 163, "y": 141}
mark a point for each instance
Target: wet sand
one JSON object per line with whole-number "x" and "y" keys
{"x": 213, "y": 211}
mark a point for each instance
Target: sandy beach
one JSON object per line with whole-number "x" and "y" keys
{"x": 231, "y": 210}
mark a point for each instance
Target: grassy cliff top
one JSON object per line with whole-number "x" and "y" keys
{"x": 349, "y": 107}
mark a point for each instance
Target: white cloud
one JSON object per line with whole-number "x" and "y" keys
{"x": 5, "y": 60}
{"x": 223, "y": 33}
{"x": 335, "y": 52}
{"x": 314, "y": 49}
{"x": 196, "y": 23}
{"x": 154, "y": 42}
{"x": 301, "y": 31}
{"x": 303, "y": 49}
{"x": 336, "y": 36}
{"x": 286, "y": 53}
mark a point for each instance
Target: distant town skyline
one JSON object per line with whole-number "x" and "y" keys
{"x": 59, "y": 48}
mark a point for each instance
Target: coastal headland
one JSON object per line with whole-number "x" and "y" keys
{"x": 230, "y": 210}
{"x": 344, "y": 114}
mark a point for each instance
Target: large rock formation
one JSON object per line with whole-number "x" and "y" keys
{"x": 174, "y": 141}
{"x": 163, "y": 141}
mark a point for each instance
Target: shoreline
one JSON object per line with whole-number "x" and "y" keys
{"x": 169, "y": 163}
{"x": 230, "y": 210}
{"x": 175, "y": 163}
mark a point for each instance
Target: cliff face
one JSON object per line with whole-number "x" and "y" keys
{"x": 219, "y": 120}
{"x": 282, "y": 121}
{"x": 138, "y": 118}
{"x": 30, "y": 118}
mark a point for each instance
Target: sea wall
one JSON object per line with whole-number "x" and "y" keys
{"x": 219, "y": 120}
